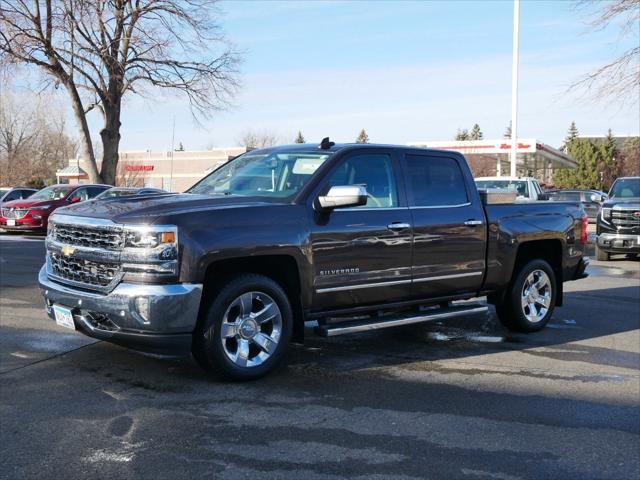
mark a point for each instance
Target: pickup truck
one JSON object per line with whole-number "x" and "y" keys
{"x": 528, "y": 189}
{"x": 618, "y": 225}
{"x": 354, "y": 237}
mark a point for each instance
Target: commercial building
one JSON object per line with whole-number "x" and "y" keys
{"x": 171, "y": 171}
{"x": 491, "y": 157}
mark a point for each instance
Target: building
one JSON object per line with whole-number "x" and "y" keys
{"x": 171, "y": 171}
{"x": 492, "y": 157}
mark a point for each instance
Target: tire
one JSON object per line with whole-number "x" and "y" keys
{"x": 601, "y": 255}
{"x": 529, "y": 313}
{"x": 255, "y": 315}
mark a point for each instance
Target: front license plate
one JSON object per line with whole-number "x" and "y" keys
{"x": 64, "y": 317}
{"x": 11, "y": 222}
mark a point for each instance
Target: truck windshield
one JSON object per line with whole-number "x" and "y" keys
{"x": 278, "y": 174}
{"x": 519, "y": 185}
{"x": 625, "y": 188}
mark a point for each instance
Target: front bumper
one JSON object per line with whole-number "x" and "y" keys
{"x": 619, "y": 243}
{"x": 24, "y": 224}
{"x": 152, "y": 318}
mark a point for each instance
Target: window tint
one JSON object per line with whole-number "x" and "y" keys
{"x": 374, "y": 171}
{"x": 567, "y": 196}
{"x": 15, "y": 195}
{"x": 83, "y": 193}
{"x": 435, "y": 181}
{"x": 93, "y": 191}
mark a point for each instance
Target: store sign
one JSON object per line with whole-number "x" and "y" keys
{"x": 138, "y": 168}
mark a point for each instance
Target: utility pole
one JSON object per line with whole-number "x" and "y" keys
{"x": 514, "y": 86}
{"x": 173, "y": 137}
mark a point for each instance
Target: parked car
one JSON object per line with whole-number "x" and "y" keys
{"x": 15, "y": 193}
{"x": 528, "y": 189}
{"x": 31, "y": 214}
{"x": 618, "y": 225}
{"x": 357, "y": 237}
{"x": 128, "y": 191}
{"x": 591, "y": 200}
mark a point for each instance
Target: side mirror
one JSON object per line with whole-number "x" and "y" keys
{"x": 74, "y": 200}
{"x": 597, "y": 198}
{"x": 344, "y": 196}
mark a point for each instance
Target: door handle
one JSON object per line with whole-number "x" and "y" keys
{"x": 473, "y": 223}
{"x": 397, "y": 226}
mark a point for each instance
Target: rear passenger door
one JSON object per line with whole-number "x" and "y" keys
{"x": 449, "y": 226}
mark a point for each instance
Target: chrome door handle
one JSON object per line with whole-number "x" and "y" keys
{"x": 473, "y": 223}
{"x": 397, "y": 226}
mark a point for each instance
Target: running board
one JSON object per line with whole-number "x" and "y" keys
{"x": 406, "y": 319}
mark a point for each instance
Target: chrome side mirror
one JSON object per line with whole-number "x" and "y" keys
{"x": 343, "y": 196}
{"x": 597, "y": 198}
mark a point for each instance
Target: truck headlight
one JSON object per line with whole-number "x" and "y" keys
{"x": 151, "y": 236}
{"x": 606, "y": 214}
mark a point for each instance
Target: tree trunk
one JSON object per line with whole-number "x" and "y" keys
{"x": 110, "y": 135}
{"x": 85, "y": 137}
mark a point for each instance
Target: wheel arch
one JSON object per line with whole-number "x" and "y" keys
{"x": 283, "y": 269}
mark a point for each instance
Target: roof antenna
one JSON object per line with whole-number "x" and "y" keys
{"x": 326, "y": 144}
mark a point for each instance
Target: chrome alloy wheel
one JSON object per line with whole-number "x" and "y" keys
{"x": 536, "y": 296}
{"x": 251, "y": 329}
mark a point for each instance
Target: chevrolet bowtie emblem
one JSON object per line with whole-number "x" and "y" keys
{"x": 67, "y": 250}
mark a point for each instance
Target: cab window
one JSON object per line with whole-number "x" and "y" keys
{"x": 435, "y": 181}
{"x": 375, "y": 172}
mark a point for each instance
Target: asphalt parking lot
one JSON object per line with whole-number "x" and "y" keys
{"x": 463, "y": 399}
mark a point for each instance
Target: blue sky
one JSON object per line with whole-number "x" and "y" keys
{"x": 404, "y": 71}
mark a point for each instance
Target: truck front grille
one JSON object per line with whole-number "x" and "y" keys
{"x": 88, "y": 272}
{"x": 96, "y": 237}
{"x": 625, "y": 218}
{"x": 14, "y": 212}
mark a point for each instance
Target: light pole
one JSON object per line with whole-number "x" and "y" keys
{"x": 514, "y": 86}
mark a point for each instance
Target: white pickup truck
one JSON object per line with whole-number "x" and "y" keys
{"x": 528, "y": 188}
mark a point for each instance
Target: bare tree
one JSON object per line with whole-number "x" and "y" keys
{"x": 252, "y": 139}
{"x": 33, "y": 140}
{"x": 619, "y": 79}
{"x": 100, "y": 50}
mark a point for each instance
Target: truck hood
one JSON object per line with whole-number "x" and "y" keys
{"x": 631, "y": 202}
{"x": 147, "y": 208}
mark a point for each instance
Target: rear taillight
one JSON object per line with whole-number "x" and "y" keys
{"x": 583, "y": 232}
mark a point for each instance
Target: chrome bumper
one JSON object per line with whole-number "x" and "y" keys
{"x": 145, "y": 317}
{"x": 615, "y": 242}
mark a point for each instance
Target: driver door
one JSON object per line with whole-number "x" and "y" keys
{"x": 362, "y": 255}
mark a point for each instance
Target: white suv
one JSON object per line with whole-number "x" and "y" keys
{"x": 528, "y": 188}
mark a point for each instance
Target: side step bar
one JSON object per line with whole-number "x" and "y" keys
{"x": 406, "y": 319}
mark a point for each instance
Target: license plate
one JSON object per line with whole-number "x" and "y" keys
{"x": 64, "y": 317}
{"x": 11, "y": 222}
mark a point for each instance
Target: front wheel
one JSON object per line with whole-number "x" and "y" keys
{"x": 531, "y": 298}
{"x": 246, "y": 330}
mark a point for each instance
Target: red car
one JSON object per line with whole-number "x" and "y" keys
{"x": 32, "y": 213}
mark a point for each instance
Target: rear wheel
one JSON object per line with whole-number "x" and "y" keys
{"x": 601, "y": 255}
{"x": 246, "y": 330}
{"x": 531, "y": 298}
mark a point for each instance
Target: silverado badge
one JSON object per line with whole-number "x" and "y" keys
{"x": 67, "y": 250}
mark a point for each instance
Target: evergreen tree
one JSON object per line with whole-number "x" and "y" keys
{"x": 507, "y": 133}
{"x": 586, "y": 175}
{"x": 180, "y": 147}
{"x": 299, "y": 138}
{"x": 363, "y": 137}
{"x": 476, "y": 133}
{"x": 462, "y": 134}
{"x": 608, "y": 163}
{"x": 572, "y": 134}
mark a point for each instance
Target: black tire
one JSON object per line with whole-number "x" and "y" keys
{"x": 208, "y": 347}
{"x": 511, "y": 312}
{"x": 601, "y": 255}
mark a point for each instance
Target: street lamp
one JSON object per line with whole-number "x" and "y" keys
{"x": 514, "y": 86}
